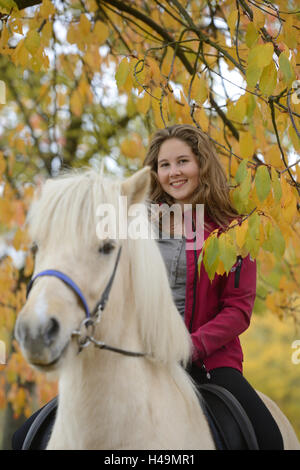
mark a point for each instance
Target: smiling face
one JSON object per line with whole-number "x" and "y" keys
{"x": 178, "y": 170}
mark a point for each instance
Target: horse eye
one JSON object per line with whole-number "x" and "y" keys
{"x": 106, "y": 248}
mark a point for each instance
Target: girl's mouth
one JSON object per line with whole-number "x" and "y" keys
{"x": 178, "y": 184}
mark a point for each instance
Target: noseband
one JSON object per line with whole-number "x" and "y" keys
{"x": 91, "y": 317}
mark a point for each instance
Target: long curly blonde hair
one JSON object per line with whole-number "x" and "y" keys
{"x": 213, "y": 189}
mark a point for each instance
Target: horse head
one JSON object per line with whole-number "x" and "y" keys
{"x": 63, "y": 223}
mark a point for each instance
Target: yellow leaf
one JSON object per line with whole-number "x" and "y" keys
{"x": 220, "y": 268}
{"x": 288, "y": 202}
{"x": 154, "y": 70}
{"x": 122, "y": 72}
{"x": 268, "y": 79}
{"x": 2, "y": 164}
{"x": 76, "y": 103}
{"x": 246, "y": 145}
{"x": 201, "y": 118}
{"x": 240, "y": 233}
{"x": 133, "y": 147}
{"x": 259, "y": 18}
{"x": 251, "y": 35}
{"x": 18, "y": 239}
{"x": 84, "y": 26}
{"x": 92, "y": 57}
{"x": 143, "y": 103}
{"x": 167, "y": 63}
{"x": 72, "y": 35}
{"x": 237, "y": 111}
{"x": 169, "y": 22}
{"x": 47, "y": 8}
{"x": 289, "y": 32}
{"x": 4, "y": 35}
{"x": 273, "y": 157}
{"x": 32, "y": 42}
{"x": 29, "y": 264}
{"x": 100, "y": 32}
{"x": 261, "y": 55}
{"x": 231, "y": 21}
{"x": 6, "y": 211}
{"x": 199, "y": 90}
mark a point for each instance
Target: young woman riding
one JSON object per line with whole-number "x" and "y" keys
{"x": 186, "y": 170}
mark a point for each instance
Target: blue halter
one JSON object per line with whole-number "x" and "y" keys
{"x": 67, "y": 280}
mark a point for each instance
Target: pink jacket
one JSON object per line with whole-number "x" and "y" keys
{"x": 217, "y": 313}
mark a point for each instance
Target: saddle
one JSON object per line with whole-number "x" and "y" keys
{"x": 230, "y": 426}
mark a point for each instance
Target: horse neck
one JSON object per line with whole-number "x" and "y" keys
{"x": 96, "y": 382}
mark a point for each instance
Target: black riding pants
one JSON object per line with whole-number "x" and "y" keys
{"x": 267, "y": 432}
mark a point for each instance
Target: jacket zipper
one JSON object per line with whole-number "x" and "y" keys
{"x": 238, "y": 272}
{"x": 195, "y": 280}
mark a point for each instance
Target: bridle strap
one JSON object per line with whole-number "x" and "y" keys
{"x": 67, "y": 280}
{"x": 102, "y": 302}
{"x": 94, "y": 315}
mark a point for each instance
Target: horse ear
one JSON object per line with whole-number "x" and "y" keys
{"x": 137, "y": 186}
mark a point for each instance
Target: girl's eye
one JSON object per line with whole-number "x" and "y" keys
{"x": 106, "y": 248}
{"x": 183, "y": 160}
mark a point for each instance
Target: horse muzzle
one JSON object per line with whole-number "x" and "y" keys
{"x": 40, "y": 343}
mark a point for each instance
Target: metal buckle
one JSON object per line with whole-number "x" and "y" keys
{"x": 83, "y": 335}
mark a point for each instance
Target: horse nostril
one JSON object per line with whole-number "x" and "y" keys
{"x": 51, "y": 331}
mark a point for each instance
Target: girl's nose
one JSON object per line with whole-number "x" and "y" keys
{"x": 175, "y": 170}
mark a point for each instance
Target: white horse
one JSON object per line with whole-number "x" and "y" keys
{"x": 109, "y": 400}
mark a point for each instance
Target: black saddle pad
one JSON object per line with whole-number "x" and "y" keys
{"x": 36, "y": 431}
{"x": 229, "y": 424}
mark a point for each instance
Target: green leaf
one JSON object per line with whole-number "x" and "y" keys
{"x": 253, "y": 73}
{"x": 286, "y": 68}
{"x": 276, "y": 186}
{"x": 32, "y": 42}
{"x": 278, "y": 242}
{"x": 8, "y": 5}
{"x": 267, "y": 244}
{"x": 246, "y": 186}
{"x": 227, "y": 252}
{"x": 268, "y": 79}
{"x": 261, "y": 55}
{"x": 262, "y": 182}
{"x": 253, "y": 225}
{"x": 211, "y": 252}
{"x": 251, "y": 35}
{"x": 252, "y": 242}
{"x": 241, "y": 171}
{"x": 122, "y": 72}
{"x": 240, "y": 194}
{"x": 251, "y": 105}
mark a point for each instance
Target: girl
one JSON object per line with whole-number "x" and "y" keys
{"x": 186, "y": 170}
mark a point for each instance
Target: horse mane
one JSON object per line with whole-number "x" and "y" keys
{"x": 65, "y": 212}
{"x": 70, "y": 201}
